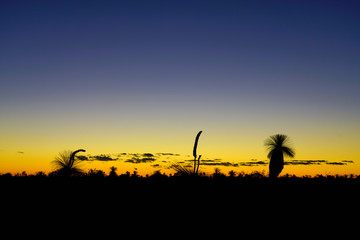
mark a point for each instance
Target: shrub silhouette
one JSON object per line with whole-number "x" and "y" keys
{"x": 278, "y": 146}
{"x": 66, "y": 164}
{"x": 113, "y": 172}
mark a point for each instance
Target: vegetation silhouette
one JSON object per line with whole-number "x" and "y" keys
{"x": 113, "y": 172}
{"x": 97, "y": 184}
{"x": 196, "y": 162}
{"x": 174, "y": 195}
{"x": 278, "y": 146}
{"x": 66, "y": 164}
{"x": 184, "y": 170}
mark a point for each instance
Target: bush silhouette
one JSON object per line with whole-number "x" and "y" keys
{"x": 66, "y": 164}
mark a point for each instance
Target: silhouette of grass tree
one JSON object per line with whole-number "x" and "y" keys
{"x": 278, "y": 146}
{"x": 66, "y": 164}
{"x": 184, "y": 170}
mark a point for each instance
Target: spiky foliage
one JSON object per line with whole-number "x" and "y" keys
{"x": 182, "y": 170}
{"x": 278, "y": 146}
{"x": 67, "y": 164}
{"x": 279, "y": 142}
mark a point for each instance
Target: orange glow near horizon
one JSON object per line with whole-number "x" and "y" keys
{"x": 32, "y": 160}
{"x": 30, "y": 144}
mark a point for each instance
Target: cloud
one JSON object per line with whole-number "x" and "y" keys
{"x": 101, "y": 157}
{"x": 343, "y": 162}
{"x": 141, "y": 158}
{"x": 82, "y": 158}
{"x": 304, "y": 162}
{"x": 225, "y": 164}
{"x": 137, "y": 160}
{"x": 316, "y": 162}
{"x": 336, "y": 163}
{"x": 253, "y": 163}
{"x": 218, "y": 162}
{"x": 168, "y": 154}
{"x": 21, "y": 152}
{"x": 149, "y": 155}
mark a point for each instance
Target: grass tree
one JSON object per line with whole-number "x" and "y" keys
{"x": 278, "y": 146}
{"x": 186, "y": 170}
{"x": 67, "y": 164}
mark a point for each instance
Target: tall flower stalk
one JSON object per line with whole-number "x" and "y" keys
{"x": 184, "y": 170}
{"x": 196, "y": 161}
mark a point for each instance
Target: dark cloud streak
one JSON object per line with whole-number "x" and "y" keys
{"x": 137, "y": 160}
{"x": 255, "y": 162}
{"x": 304, "y": 162}
{"x": 316, "y": 162}
{"x": 101, "y": 157}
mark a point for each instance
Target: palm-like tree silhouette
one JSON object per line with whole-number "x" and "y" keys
{"x": 66, "y": 163}
{"x": 278, "y": 146}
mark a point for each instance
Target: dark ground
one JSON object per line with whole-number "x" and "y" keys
{"x": 146, "y": 207}
{"x": 161, "y": 186}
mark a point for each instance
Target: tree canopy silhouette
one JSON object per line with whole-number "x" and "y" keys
{"x": 278, "y": 146}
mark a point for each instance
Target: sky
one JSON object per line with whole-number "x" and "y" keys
{"x": 132, "y": 82}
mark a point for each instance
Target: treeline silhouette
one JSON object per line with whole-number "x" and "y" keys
{"x": 158, "y": 176}
{"x": 176, "y": 191}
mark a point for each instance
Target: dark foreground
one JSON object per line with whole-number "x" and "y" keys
{"x": 161, "y": 186}
{"x": 162, "y": 202}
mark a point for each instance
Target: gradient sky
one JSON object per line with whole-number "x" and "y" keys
{"x": 141, "y": 77}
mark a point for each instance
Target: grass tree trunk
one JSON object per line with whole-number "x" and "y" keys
{"x": 198, "y": 164}
{"x": 276, "y": 164}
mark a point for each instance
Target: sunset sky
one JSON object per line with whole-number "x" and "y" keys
{"x": 132, "y": 82}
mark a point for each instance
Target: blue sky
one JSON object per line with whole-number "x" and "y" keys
{"x": 304, "y": 47}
